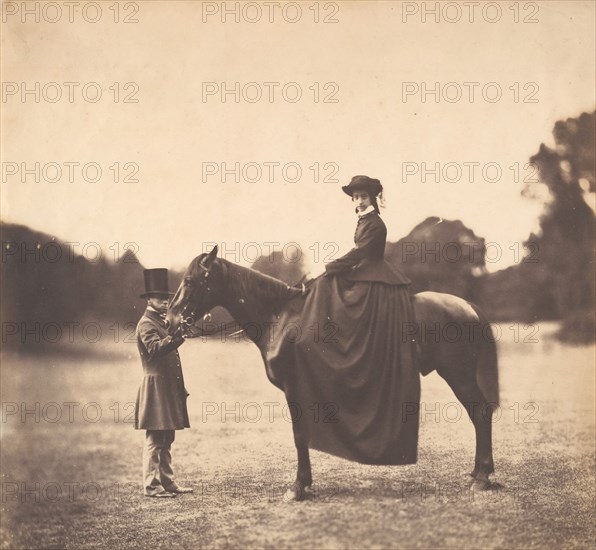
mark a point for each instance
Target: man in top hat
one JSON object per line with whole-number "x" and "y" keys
{"x": 161, "y": 398}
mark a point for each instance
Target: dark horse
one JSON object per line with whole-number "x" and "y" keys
{"x": 468, "y": 364}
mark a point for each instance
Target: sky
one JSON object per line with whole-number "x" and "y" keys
{"x": 162, "y": 134}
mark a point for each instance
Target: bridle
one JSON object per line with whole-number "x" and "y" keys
{"x": 188, "y": 314}
{"x": 187, "y": 319}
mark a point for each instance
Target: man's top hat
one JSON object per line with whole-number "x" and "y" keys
{"x": 363, "y": 183}
{"x": 156, "y": 282}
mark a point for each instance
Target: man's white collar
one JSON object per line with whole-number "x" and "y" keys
{"x": 151, "y": 308}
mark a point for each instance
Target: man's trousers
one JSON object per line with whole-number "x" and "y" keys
{"x": 157, "y": 462}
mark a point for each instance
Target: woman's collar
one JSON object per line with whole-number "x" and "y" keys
{"x": 369, "y": 210}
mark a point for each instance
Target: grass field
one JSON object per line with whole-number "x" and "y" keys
{"x": 73, "y": 480}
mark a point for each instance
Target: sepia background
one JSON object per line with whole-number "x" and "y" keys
{"x": 120, "y": 152}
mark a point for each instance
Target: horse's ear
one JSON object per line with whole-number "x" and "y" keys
{"x": 208, "y": 260}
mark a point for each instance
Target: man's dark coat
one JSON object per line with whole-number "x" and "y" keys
{"x": 161, "y": 398}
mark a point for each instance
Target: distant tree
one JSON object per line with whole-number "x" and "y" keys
{"x": 440, "y": 255}
{"x": 45, "y": 282}
{"x": 557, "y": 281}
{"x": 565, "y": 246}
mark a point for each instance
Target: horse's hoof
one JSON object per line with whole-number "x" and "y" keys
{"x": 291, "y": 496}
{"x": 480, "y": 484}
{"x": 485, "y": 484}
{"x": 296, "y": 493}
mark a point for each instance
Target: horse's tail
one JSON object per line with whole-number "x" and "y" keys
{"x": 487, "y": 368}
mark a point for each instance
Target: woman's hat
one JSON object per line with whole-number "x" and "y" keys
{"x": 363, "y": 183}
{"x": 156, "y": 282}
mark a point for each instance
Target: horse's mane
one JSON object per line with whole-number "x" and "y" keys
{"x": 249, "y": 282}
{"x": 263, "y": 288}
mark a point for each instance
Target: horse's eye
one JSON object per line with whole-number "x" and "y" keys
{"x": 187, "y": 281}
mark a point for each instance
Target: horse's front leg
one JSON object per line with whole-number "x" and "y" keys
{"x": 299, "y": 489}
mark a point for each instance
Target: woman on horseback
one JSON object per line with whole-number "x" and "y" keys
{"x": 361, "y": 356}
{"x": 366, "y": 262}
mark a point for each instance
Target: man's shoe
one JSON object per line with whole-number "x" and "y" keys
{"x": 164, "y": 494}
{"x": 181, "y": 490}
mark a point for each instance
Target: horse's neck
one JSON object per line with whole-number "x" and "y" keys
{"x": 254, "y": 299}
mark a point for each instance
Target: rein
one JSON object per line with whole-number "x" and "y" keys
{"x": 197, "y": 332}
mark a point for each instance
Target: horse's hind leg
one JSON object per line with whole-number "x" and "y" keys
{"x": 463, "y": 383}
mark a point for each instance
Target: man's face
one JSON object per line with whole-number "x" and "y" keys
{"x": 159, "y": 302}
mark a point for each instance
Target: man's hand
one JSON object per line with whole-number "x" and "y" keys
{"x": 178, "y": 337}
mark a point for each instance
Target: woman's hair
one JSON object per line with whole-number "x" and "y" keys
{"x": 378, "y": 201}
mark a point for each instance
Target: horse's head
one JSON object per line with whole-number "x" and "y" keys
{"x": 200, "y": 290}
